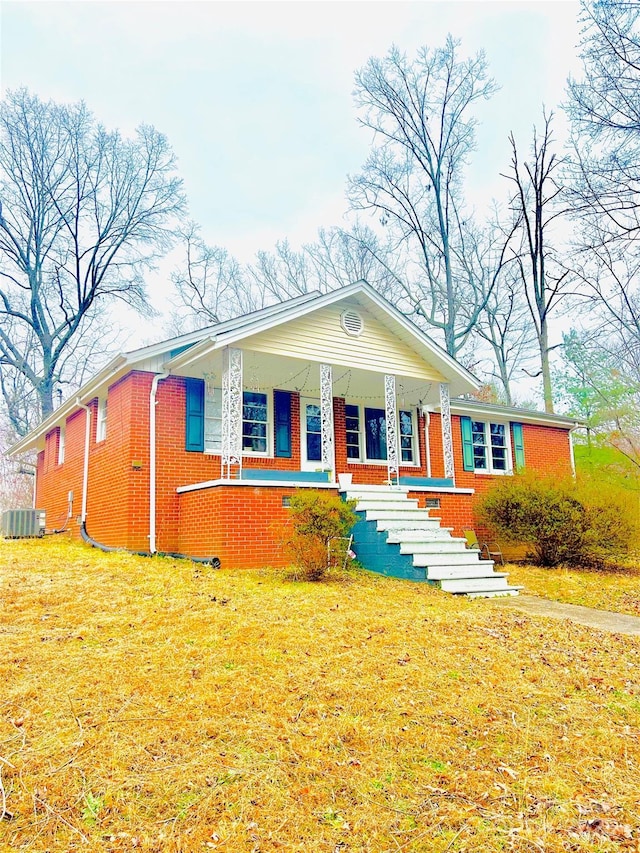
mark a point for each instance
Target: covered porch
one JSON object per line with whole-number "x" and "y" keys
{"x": 279, "y": 418}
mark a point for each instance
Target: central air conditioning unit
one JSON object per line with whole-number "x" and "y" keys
{"x": 23, "y": 523}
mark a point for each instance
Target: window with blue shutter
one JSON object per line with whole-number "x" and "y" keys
{"x": 282, "y": 418}
{"x": 195, "y": 415}
{"x": 467, "y": 444}
{"x": 518, "y": 445}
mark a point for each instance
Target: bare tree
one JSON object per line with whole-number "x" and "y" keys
{"x": 537, "y": 204}
{"x": 211, "y": 285}
{"x": 603, "y": 176}
{"x": 504, "y": 323}
{"x": 84, "y": 212}
{"x": 421, "y": 115}
{"x": 282, "y": 274}
{"x": 342, "y": 256}
{"x": 604, "y": 111}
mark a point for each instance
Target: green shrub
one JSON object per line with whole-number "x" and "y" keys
{"x": 564, "y": 521}
{"x": 316, "y": 518}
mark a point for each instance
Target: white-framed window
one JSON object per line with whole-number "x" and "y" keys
{"x": 366, "y": 434}
{"x": 255, "y": 421}
{"x": 61, "y": 443}
{"x": 352, "y": 421}
{"x": 212, "y": 419}
{"x": 101, "y": 427}
{"x": 491, "y": 447}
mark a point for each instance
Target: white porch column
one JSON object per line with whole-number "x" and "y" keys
{"x": 326, "y": 420}
{"x": 447, "y": 441}
{"x": 231, "y": 411}
{"x": 391, "y": 418}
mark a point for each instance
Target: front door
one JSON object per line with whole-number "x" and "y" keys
{"x": 310, "y": 434}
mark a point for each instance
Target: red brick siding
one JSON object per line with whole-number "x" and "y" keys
{"x": 235, "y": 523}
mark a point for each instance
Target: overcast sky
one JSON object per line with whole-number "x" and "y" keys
{"x": 255, "y": 97}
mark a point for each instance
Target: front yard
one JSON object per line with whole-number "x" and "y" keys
{"x": 160, "y": 706}
{"x": 618, "y": 591}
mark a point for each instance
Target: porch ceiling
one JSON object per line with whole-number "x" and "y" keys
{"x": 266, "y": 371}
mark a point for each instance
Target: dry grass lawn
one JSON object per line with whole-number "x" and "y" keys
{"x": 611, "y": 590}
{"x": 154, "y": 705}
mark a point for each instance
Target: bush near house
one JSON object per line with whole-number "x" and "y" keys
{"x": 316, "y": 519}
{"x": 564, "y": 521}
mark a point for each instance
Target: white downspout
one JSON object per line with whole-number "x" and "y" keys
{"x": 85, "y": 469}
{"x": 571, "y": 453}
{"x": 152, "y": 460}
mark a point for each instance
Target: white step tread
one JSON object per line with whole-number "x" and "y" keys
{"x": 448, "y": 572}
{"x": 367, "y": 505}
{"x": 491, "y": 584}
{"x": 451, "y": 559}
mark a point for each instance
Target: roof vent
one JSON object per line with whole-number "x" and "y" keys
{"x": 352, "y": 323}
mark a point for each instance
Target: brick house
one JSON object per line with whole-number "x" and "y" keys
{"x": 194, "y": 445}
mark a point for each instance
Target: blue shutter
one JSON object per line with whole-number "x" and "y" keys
{"x": 467, "y": 444}
{"x": 518, "y": 445}
{"x": 282, "y": 407}
{"x": 194, "y": 430}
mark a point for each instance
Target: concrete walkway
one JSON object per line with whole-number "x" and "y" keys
{"x": 603, "y": 620}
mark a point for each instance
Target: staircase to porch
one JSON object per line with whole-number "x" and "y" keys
{"x": 394, "y": 537}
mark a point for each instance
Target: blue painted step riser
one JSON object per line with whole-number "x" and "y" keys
{"x": 376, "y": 555}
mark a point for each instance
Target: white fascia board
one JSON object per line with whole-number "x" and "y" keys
{"x": 488, "y": 410}
{"x": 87, "y": 392}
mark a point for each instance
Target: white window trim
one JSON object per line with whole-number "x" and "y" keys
{"x": 61, "y": 445}
{"x": 489, "y": 470}
{"x": 363, "y": 459}
{"x": 101, "y": 425}
{"x": 206, "y": 396}
{"x": 268, "y": 453}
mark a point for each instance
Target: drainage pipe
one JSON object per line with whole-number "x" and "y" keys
{"x": 214, "y": 562}
{"x": 85, "y": 469}
{"x": 152, "y": 459}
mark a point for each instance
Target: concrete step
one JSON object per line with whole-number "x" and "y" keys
{"x": 366, "y": 504}
{"x": 422, "y": 533}
{"x": 495, "y": 583}
{"x": 428, "y": 526}
{"x": 400, "y": 514}
{"x": 449, "y": 572}
{"x": 432, "y": 546}
{"x": 451, "y": 559}
{"x": 375, "y": 494}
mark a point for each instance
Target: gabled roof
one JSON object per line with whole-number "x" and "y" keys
{"x": 182, "y": 350}
{"x": 234, "y": 332}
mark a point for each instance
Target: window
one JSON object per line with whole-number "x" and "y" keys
{"x": 352, "y": 417}
{"x": 101, "y": 427}
{"x": 406, "y": 436}
{"x": 61, "y": 441}
{"x": 490, "y": 448}
{"x": 213, "y": 419}
{"x": 373, "y": 423}
{"x": 254, "y": 421}
{"x": 313, "y": 432}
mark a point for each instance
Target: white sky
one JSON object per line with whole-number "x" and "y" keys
{"x": 255, "y": 97}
